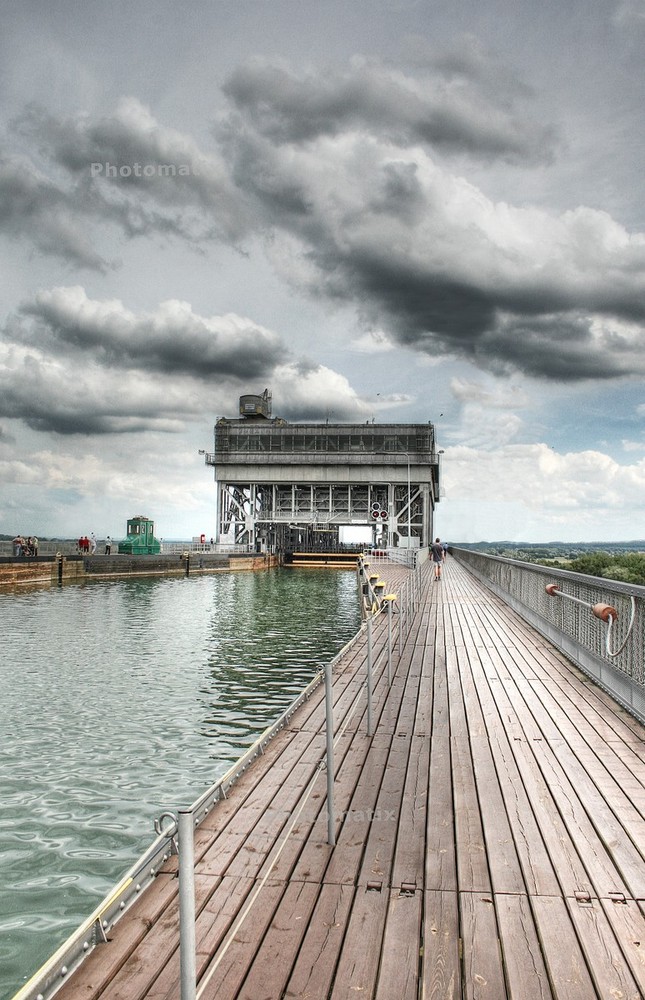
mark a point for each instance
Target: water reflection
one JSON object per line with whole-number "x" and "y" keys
{"x": 127, "y": 698}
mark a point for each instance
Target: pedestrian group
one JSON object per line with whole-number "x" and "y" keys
{"x": 25, "y": 546}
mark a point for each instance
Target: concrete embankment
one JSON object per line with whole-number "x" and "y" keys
{"x": 47, "y": 570}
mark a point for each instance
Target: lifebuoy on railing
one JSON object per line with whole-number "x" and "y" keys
{"x": 202, "y": 539}
{"x": 605, "y": 612}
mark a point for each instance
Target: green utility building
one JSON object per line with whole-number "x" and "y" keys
{"x": 141, "y": 539}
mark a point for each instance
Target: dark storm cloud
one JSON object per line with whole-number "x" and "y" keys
{"x": 561, "y": 347}
{"x": 172, "y": 340}
{"x": 339, "y": 172}
{"x": 541, "y": 331}
{"x": 73, "y": 365}
{"x": 76, "y": 401}
{"x": 425, "y": 255}
{"x": 445, "y": 111}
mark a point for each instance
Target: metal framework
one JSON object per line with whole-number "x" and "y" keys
{"x": 295, "y": 485}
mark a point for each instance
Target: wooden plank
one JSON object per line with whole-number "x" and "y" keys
{"x": 441, "y": 850}
{"x": 378, "y": 855}
{"x": 398, "y": 974}
{"x": 503, "y": 862}
{"x": 314, "y": 858}
{"x": 346, "y": 859}
{"x": 271, "y": 822}
{"x": 564, "y": 959}
{"x": 604, "y": 957}
{"x": 213, "y": 923}
{"x": 587, "y": 727}
{"x": 526, "y": 972}
{"x": 537, "y": 868}
{"x": 482, "y": 958}
{"x": 315, "y": 964}
{"x": 609, "y": 856}
{"x": 271, "y": 967}
{"x": 250, "y": 794}
{"x": 217, "y": 917}
{"x": 555, "y": 803}
{"x": 626, "y": 919}
{"x": 359, "y": 960}
{"x": 441, "y": 944}
{"x": 223, "y": 977}
{"x": 409, "y": 858}
{"x": 472, "y": 863}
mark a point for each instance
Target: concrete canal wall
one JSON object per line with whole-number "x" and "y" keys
{"x": 47, "y": 570}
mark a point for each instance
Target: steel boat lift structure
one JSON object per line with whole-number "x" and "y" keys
{"x": 287, "y": 485}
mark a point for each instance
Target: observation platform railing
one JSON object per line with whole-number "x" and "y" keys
{"x": 68, "y": 547}
{"x": 607, "y": 643}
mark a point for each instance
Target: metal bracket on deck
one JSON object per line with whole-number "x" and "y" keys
{"x": 374, "y": 886}
{"x": 583, "y": 898}
{"x": 99, "y": 930}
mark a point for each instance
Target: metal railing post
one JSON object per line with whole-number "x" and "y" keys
{"x": 329, "y": 726}
{"x": 407, "y": 606}
{"x": 187, "y": 960}
{"x": 369, "y": 676}
{"x": 389, "y": 643}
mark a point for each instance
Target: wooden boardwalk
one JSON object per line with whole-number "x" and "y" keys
{"x": 490, "y": 837}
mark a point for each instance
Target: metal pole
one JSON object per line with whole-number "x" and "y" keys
{"x": 187, "y": 961}
{"x": 369, "y": 676}
{"x": 389, "y": 643}
{"x": 409, "y": 509}
{"x": 329, "y": 716}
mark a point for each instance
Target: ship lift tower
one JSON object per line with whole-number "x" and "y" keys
{"x": 294, "y": 485}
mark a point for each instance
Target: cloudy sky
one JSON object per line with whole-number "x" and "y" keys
{"x": 399, "y": 210}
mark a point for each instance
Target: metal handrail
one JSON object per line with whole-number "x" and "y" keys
{"x": 529, "y": 588}
{"x": 606, "y": 612}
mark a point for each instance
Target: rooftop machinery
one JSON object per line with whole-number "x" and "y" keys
{"x": 294, "y": 485}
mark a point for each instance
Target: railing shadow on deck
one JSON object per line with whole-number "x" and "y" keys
{"x": 607, "y": 644}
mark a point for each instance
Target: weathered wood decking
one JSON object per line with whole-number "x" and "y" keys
{"x": 490, "y": 841}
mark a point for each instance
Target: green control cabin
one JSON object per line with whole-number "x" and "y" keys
{"x": 141, "y": 539}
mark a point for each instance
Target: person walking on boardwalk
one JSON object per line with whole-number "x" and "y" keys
{"x": 437, "y": 557}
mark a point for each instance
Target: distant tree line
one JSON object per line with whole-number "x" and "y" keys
{"x": 622, "y": 561}
{"x": 627, "y": 567}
